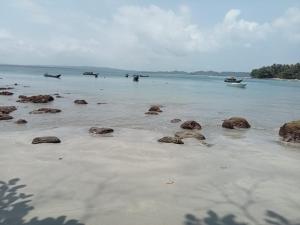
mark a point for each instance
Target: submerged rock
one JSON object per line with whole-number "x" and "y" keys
{"x": 191, "y": 125}
{"x": 155, "y": 108}
{"x": 98, "y": 130}
{"x": 80, "y": 102}
{"x": 189, "y": 134}
{"x": 35, "y": 99}
{"x": 45, "y": 110}
{"x": 6, "y": 88}
{"x": 47, "y": 139}
{"x": 7, "y": 109}
{"x": 4, "y": 116}
{"x": 290, "y": 132}
{"x": 175, "y": 120}
{"x": 236, "y": 122}
{"x": 173, "y": 140}
{"x": 7, "y": 93}
{"x": 151, "y": 113}
{"x": 21, "y": 121}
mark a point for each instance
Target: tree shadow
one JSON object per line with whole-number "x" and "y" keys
{"x": 212, "y": 218}
{"x": 14, "y": 206}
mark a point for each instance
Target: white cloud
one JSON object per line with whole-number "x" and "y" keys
{"x": 138, "y": 36}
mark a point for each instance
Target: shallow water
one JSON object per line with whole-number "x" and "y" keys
{"x": 130, "y": 178}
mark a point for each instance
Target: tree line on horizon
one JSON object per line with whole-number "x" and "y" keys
{"x": 283, "y": 71}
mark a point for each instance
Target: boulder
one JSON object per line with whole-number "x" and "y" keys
{"x": 151, "y": 113}
{"x": 173, "y": 140}
{"x": 189, "y": 134}
{"x": 175, "y": 120}
{"x": 7, "y": 93}
{"x": 7, "y": 109}
{"x": 35, "y": 98}
{"x": 235, "y": 122}
{"x": 45, "y": 110}
{"x": 4, "y": 116}
{"x": 6, "y": 88}
{"x": 98, "y": 130}
{"x": 47, "y": 139}
{"x": 191, "y": 125}
{"x": 80, "y": 102}
{"x": 155, "y": 108}
{"x": 21, "y": 121}
{"x": 290, "y": 132}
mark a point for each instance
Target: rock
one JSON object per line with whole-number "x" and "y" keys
{"x": 155, "y": 108}
{"x": 290, "y": 132}
{"x": 171, "y": 140}
{"x": 151, "y": 113}
{"x": 4, "y": 116}
{"x": 175, "y": 120}
{"x": 35, "y": 98}
{"x": 45, "y": 110}
{"x": 7, "y": 109}
{"x": 80, "y": 102}
{"x": 191, "y": 125}
{"x": 97, "y": 130}
{"x": 7, "y": 93}
{"x": 21, "y": 121}
{"x": 189, "y": 134}
{"x": 48, "y": 139}
{"x": 235, "y": 122}
{"x": 59, "y": 96}
{"x": 101, "y": 103}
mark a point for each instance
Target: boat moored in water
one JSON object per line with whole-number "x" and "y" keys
{"x": 240, "y": 85}
{"x": 91, "y": 74}
{"x": 232, "y": 80}
{"x": 52, "y": 76}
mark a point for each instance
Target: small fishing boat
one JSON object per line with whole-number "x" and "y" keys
{"x": 91, "y": 74}
{"x": 136, "y": 78}
{"x": 240, "y": 85}
{"x": 144, "y": 75}
{"x": 232, "y": 80}
{"x": 53, "y": 76}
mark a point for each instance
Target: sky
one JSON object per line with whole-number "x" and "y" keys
{"x": 221, "y": 35}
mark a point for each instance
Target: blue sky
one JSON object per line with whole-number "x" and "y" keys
{"x": 150, "y": 34}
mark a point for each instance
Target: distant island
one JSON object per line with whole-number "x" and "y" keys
{"x": 214, "y": 73}
{"x": 282, "y": 71}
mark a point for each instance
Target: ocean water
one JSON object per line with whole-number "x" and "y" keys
{"x": 267, "y": 104}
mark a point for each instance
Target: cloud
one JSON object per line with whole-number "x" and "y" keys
{"x": 139, "y": 36}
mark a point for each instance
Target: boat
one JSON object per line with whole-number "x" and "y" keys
{"x": 91, "y": 74}
{"x": 234, "y": 84}
{"x": 232, "y": 80}
{"x": 136, "y": 78}
{"x": 53, "y": 76}
{"x": 144, "y": 75}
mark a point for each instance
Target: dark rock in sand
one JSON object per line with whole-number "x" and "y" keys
{"x": 80, "y": 102}
{"x": 175, "y": 120}
{"x": 21, "y": 121}
{"x": 7, "y": 109}
{"x": 155, "y": 108}
{"x": 173, "y": 140}
{"x": 4, "y": 116}
{"x": 151, "y": 113}
{"x": 236, "y": 122}
{"x": 45, "y": 110}
{"x": 7, "y": 93}
{"x": 189, "y": 134}
{"x": 98, "y": 130}
{"x": 36, "y": 98}
{"x": 191, "y": 125}
{"x": 48, "y": 139}
{"x": 290, "y": 132}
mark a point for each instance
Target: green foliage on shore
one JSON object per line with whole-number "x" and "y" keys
{"x": 286, "y": 71}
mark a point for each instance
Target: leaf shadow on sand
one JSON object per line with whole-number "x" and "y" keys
{"x": 14, "y": 206}
{"x": 212, "y": 218}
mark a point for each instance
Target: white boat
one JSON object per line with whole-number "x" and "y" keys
{"x": 240, "y": 85}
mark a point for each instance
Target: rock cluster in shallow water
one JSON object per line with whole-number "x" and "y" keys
{"x": 35, "y": 99}
{"x": 290, "y": 132}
